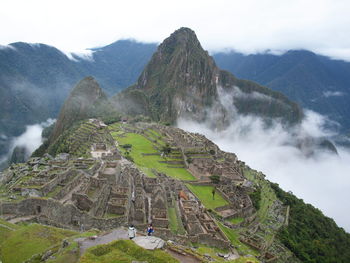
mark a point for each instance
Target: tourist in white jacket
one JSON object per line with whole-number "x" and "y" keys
{"x": 131, "y": 232}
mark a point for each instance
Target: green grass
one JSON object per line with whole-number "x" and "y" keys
{"x": 5, "y": 230}
{"x": 236, "y": 220}
{"x": 268, "y": 195}
{"x": 175, "y": 222}
{"x": 70, "y": 254}
{"x": 233, "y": 236}
{"x": 146, "y": 163}
{"x": 204, "y": 194}
{"x": 124, "y": 251}
{"x": 31, "y": 239}
{"x": 155, "y": 133}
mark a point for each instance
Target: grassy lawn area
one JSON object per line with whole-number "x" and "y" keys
{"x": 5, "y": 230}
{"x": 31, "y": 239}
{"x": 204, "y": 193}
{"x": 124, "y": 251}
{"x": 175, "y": 223}
{"x": 146, "y": 163}
{"x": 69, "y": 254}
{"x": 233, "y": 236}
{"x": 236, "y": 220}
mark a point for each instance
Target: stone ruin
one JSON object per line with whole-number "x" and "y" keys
{"x": 108, "y": 191}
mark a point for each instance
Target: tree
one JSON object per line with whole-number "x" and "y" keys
{"x": 127, "y": 146}
{"x": 213, "y": 192}
{"x": 215, "y": 179}
{"x": 166, "y": 149}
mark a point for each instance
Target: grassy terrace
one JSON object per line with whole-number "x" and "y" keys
{"x": 204, "y": 194}
{"x": 175, "y": 222}
{"x": 268, "y": 195}
{"x": 17, "y": 248}
{"x": 21, "y": 242}
{"x": 236, "y": 220}
{"x": 233, "y": 236}
{"x": 124, "y": 251}
{"x": 142, "y": 145}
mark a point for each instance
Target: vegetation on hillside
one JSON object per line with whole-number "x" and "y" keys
{"x": 311, "y": 236}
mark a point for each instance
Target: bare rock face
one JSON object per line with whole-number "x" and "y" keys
{"x": 149, "y": 242}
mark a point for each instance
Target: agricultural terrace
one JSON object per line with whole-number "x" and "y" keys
{"x": 204, "y": 193}
{"x": 146, "y": 154}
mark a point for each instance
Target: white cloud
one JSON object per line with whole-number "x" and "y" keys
{"x": 239, "y": 94}
{"x": 3, "y": 47}
{"x": 248, "y": 26}
{"x": 321, "y": 179}
{"x": 85, "y": 54}
{"x": 328, "y": 94}
{"x": 31, "y": 139}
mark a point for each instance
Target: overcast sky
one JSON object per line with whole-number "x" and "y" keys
{"x": 248, "y": 26}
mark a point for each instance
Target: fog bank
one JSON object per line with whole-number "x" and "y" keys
{"x": 322, "y": 179}
{"x": 30, "y": 140}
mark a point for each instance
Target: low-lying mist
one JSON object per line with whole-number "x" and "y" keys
{"x": 321, "y": 179}
{"x": 30, "y": 139}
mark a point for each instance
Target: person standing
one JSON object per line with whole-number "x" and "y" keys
{"x": 131, "y": 232}
{"x": 150, "y": 230}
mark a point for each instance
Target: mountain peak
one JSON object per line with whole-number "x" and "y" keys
{"x": 182, "y": 80}
{"x": 81, "y": 101}
{"x": 182, "y": 38}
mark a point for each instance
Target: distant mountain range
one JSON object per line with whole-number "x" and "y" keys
{"x": 35, "y": 79}
{"x": 315, "y": 82}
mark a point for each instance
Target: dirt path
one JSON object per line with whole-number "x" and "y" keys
{"x": 116, "y": 234}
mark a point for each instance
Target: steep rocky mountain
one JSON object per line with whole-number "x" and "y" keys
{"x": 315, "y": 82}
{"x": 182, "y": 80}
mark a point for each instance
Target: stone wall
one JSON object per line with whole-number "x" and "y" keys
{"x": 74, "y": 183}
{"x": 48, "y": 187}
{"x": 54, "y": 213}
